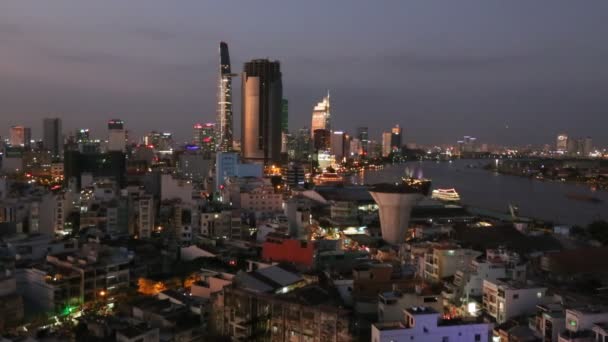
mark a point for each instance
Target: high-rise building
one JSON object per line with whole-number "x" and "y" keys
{"x": 302, "y": 145}
{"x": 386, "y": 144}
{"x": 561, "y": 144}
{"x": 20, "y": 136}
{"x": 337, "y": 144}
{"x": 204, "y": 137}
{"x": 159, "y": 141}
{"x": 321, "y": 116}
{"x": 587, "y": 147}
{"x": 52, "y": 138}
{"x": 83, "y": 135}
{"x": 224, "y": 111}
{"x": 363, "y": 136}
{"x": 321, "y": 140}
{"x": 262, "y": 94}
{"x": 285, "y": 116}
{"x": 117, "y": 139}
{"x": 396, "y": 134}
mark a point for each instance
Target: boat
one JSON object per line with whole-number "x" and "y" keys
{"x": 448, "y": 195}
{"x": 328, "y": 178}
{"x": 583, "y": 197}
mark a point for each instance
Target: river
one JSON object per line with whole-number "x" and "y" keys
{"x": 545, "y": 200}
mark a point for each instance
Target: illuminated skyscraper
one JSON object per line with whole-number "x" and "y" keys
{"x": 261, "y": 111}
{"x": 224, "y": 105}
{"x": 363, "y": 136}
{"x": 396, "y": 142}
{"x": 561, "y": 144}
{"x": 386, "y": 143}
{"x": 321, "y": 115}
{"x": 20, "y": 136}
{"x": 204, "y": 136}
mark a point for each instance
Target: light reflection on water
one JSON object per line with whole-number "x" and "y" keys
{"x": 477, "y": 187}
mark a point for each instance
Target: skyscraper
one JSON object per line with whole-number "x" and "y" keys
{"x": 396, "y": 141}
{"x": 20, "y": 136}
{"x": 52, "y": 138}
{"x": 321, "y": 115}
{"x": 224, "y": 110}
{"x": 387, "y": 138}
{"x": 561, "y": 144}
{"x": 337, "y": 144}
{"x": 262, "y": 92}
{"x": 363, "y": 136}
{"x": 285, "y": 116}
{"x": 204, "y": 137}
{"x": 117, "y": 137}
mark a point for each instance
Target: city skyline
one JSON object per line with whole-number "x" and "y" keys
{"x": 499, "y": 85}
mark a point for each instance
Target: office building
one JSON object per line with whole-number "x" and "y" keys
{"x": 337, "y": 145}
{"x": 227, "y": 164}
{"x": 301, "y": 145}
{"x": 106, "y": 165}
{"x": 204, "y": 137}
{"x": 587, "y": 146}
{"x": 321, "y": 140}
{"x": 224, "y": 111}
{"x": 83, "y": 135}
{"x": 285, "y": 116}
{"x": 561, "y": 144}
{"x": 20, "y": 136}
{"x": 159, "y": 141}
{"x": 321, "y": 116}
{"x": 386, "y": 144}
{"x": 52, "y": 138}
{"x": 262, "y": 92}
{"x": 363, "y": 136}
{"x": 117, "y": 138}
{"x": 396, "y": 138}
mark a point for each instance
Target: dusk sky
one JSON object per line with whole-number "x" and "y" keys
{"x": 503, "y": 71}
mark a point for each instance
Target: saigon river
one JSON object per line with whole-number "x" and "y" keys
{"x": 545, "y": 200}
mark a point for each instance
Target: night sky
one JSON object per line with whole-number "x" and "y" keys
{"x": 507, "y": 72}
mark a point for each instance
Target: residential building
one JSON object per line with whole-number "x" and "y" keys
{"x": 504, "y": 299}
{"x": 444, "y": 261}
{"x": 425, "y": 324}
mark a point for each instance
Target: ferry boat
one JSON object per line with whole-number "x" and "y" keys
{"x": 448, "y": 195}
{"x": 328, "y": 178}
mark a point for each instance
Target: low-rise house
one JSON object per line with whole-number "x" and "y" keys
{"x": 426, "y": 324}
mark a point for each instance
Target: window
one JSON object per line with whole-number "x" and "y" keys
{"x": 477, "y": 337}
{"x": 445, "y": 339}
{"x": 515, "y": 296}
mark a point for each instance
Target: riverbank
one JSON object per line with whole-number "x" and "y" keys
{"x": 545, "y": 201}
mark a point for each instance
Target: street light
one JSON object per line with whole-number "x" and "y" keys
{"x": 102, "y": 293}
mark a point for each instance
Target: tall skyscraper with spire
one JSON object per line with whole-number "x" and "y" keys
{"x": 224, "y": 104}
{"x": 321, "y": 116}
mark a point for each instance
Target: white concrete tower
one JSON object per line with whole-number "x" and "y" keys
{"x": 395, "y": 203}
